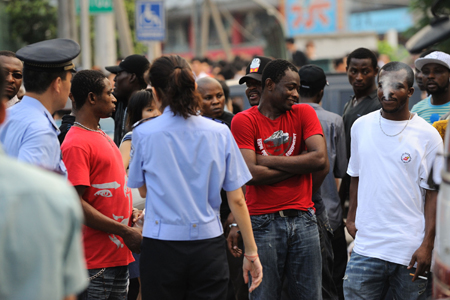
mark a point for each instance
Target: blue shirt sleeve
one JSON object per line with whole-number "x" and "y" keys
{"x": 237, "y": 173}
{"x": 135, "y": 172}
{"x": 40, "y": 148}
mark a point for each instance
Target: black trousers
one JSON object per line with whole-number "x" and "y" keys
{"x": 184, "y": 270}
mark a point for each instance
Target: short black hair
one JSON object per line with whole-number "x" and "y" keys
{"x": 7, "y": 53}
{"x": 290, "y": 40}
{"x": 85, "y": 82}
{"x": 39, "y": 81}
{"x": 363, "y": 53}
{"x": 275, "y": 70}
{"x": 397, "y": 66}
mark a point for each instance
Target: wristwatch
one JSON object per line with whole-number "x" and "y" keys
{"x": 233, "y": 225}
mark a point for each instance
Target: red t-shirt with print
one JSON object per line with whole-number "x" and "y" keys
{"x": 93, "y": 160}
{"x": 285, "y": 135}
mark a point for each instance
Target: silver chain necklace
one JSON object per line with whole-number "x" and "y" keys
{"x": 87, "y": 128}
{"x": 93, "y": 130}
{"x": 392, "y": 135}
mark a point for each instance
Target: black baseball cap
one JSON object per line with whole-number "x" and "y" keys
{"x": 312, "y": 77}
{"x": 50, "y": 55}
{"x": 135, "y": 63}
{"x": 255, "y": 69}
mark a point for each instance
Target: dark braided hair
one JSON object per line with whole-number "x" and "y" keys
{"x": 275, "y": 70}
{"x": 85, "y": 82}
{"x": 174, "y": 83}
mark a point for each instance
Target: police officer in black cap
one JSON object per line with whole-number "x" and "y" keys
{"x": 130, "y": 77}
{"x": 30, "y": 133}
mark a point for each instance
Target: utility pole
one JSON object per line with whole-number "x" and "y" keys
{"x": 86, "y": 58}
{"x": 63, "y": 19}
{"x": 105, "y": 41}
{"x": 220, "y": 30}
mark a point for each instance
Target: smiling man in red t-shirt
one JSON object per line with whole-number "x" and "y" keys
{"x": 283, "y": 145}
{"x": 95, "y": 169}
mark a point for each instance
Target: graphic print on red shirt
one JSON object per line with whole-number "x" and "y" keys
{"x": 286, "y": 136}
{"x": 93, "y": 160}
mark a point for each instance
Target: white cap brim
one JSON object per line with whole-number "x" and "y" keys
{"x": 420, "y": 62}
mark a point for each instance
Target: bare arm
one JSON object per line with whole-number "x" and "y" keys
{"x": 353, "y": 205}
{"x": 125, "y": 149}
{"x": 314, "y": 160}
{"x": 423, "y": 254}
{"x": 70, "y": 297}
{"x": 96, "y": 220}
{"x": 143, "y": 191}
{"x": 239, "y": 209}
{"x": 262, "y": 175}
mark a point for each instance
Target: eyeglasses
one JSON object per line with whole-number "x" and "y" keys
{"x": 15, "y": 75}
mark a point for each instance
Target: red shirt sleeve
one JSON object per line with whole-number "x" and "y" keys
{"x": 243, "y": 131}
{"x": 77, "y": 163}
{"x": 309, "y": 121}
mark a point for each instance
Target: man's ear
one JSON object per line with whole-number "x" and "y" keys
{"x": 410, "y": 92}
{"x": 269, "y": 84}
{"x": 133, "y": 77}
{"x": 56, "y": 85}
{"x": 91, "y": 98}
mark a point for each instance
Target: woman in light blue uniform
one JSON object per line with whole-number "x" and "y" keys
{"x": 180, "y": 163}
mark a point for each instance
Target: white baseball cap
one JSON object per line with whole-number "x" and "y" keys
{"x": 436, "y": 57}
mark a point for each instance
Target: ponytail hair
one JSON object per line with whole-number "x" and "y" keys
{"x": 174, "y": 83}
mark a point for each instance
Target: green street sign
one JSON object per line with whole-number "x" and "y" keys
{"x": 97, "y": 6}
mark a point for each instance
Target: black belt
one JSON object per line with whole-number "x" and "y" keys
{"x": 288, "y": 213}
{"x": 294, "y": 212}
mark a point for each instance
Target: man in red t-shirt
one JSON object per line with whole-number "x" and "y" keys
{"x": 95, "y": 169}
{"x": 283, "y": 145}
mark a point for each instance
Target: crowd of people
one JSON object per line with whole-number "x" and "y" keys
{"x": 237, "y": 206}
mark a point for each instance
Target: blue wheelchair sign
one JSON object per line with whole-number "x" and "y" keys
{"x": 150, "y": 21}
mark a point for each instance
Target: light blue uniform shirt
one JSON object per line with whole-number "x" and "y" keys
{"x": 184, "y": 164}
{"x": 41, "y": 253}
{"x": 31, "y": 135}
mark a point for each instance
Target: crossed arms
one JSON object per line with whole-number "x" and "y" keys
{"x": 268, "y": 170}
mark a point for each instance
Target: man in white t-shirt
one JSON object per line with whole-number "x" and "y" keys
{"x": 392, "y": 151}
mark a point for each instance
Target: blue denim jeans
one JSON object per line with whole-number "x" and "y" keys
{"x": 368, "y": 278}
{"x": 110, "y": 284}
{"x": 288, "y": 247}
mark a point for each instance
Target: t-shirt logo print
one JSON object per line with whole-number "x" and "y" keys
{"x": 278, "y": 142}
{"x": 406, "y": 157}
{"x": 254, "y": 67}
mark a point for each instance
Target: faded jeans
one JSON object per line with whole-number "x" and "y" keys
{"x": 368, "y": 278}
{"x": 288, "y": 247}
{"x": 111, "y": 284}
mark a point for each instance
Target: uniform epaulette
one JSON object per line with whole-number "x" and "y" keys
{"x": 142, "y": 121}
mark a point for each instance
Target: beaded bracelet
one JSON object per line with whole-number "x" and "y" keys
{"x": 250, "y": 257}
